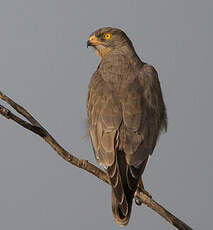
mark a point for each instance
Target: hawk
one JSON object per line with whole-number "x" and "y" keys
{"x": 126, "y": 114}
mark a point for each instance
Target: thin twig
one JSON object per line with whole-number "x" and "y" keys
{"x": 34, "y": 126}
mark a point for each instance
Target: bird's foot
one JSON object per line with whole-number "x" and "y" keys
{"x": 138, "y": 202}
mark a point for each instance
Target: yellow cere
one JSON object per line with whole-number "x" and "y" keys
{"x": 107, "y": 36}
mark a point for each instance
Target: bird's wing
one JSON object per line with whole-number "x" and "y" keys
{"x": 144, "y": 115}
{"x": 153, "y": 96}
{"x": 104, "y": 119}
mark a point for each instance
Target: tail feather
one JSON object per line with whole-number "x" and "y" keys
{"x": 123, "y": 188}
{"x": 117, "y": 210}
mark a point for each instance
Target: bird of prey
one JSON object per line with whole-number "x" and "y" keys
{"x": 126, "y": 114}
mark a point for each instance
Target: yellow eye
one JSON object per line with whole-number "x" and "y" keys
{"x": 107, "y": 36}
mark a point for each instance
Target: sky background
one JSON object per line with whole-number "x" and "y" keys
{"x": 46, "y": 67}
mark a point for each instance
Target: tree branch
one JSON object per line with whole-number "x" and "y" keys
{"x": 33, "y": 125}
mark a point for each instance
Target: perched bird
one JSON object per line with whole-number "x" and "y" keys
{"x": 126, "y": 114}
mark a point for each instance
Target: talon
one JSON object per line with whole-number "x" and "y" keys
{"x": 141, "y": 188}
{"x": 138, "y": 202}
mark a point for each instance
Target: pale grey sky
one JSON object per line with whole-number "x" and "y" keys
{"x": 45, "y": 66}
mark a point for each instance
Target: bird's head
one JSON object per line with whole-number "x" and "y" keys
{"x": 106, "y": 39}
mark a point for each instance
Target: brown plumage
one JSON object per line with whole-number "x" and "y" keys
{"x": 126, "y": 113}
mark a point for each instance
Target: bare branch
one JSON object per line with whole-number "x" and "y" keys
{"x": 34, "y": 126}
{"x": 161, "y": 211}
{"x": 19, "y": 109}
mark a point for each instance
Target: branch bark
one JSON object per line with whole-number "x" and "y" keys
{"x": 34, "y": 126}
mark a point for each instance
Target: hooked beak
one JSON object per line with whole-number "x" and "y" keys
{"x": 89, "y": 43}
{"x": 93, "y": 41}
